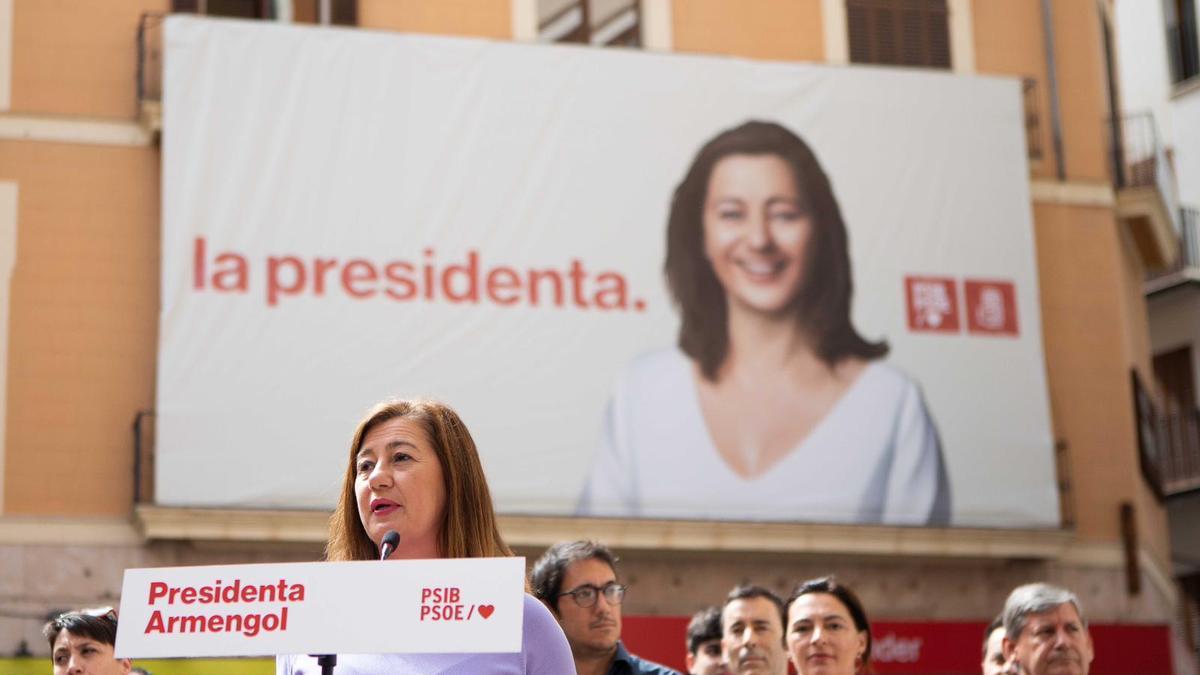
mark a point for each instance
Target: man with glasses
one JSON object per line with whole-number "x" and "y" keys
{"x": 578, "y": 581}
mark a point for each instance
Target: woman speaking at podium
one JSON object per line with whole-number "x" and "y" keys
{"x": 413, "y": 469}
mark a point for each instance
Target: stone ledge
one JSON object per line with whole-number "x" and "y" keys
{"x": 156, "y": 522}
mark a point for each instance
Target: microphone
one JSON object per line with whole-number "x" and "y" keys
{"x": 390, "y": 541}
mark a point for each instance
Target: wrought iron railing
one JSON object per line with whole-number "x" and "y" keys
{"x": 1188, "y": 257}
{"x": 1138, "y": 160}
{"x": 1179, "y": 437}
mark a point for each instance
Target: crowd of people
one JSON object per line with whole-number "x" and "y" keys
{"x": 414, "y": 470}
{"x": 821, "y": 629}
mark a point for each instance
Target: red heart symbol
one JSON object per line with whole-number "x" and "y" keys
{"x": 486, "y": 610}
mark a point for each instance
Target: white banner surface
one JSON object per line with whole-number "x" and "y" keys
{"x": 351, "y": 215}
{"x": 428, "y": 606}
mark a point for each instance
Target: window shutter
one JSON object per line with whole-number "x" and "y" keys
{"x": 899, "y": 32}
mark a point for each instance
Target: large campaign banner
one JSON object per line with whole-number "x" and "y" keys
{"x": 654, "y": 286}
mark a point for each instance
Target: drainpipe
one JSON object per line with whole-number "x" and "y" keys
{"x": 1052, "y": 83}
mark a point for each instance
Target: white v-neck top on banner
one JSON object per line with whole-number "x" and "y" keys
{"x": 874, "y": 458}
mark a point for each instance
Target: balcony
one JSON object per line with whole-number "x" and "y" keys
{"x": 1145, "y": 185}
{"x": 1179, "y": 436}
{"x": 1186, "y": 267}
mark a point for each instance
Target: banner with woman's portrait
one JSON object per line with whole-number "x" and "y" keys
{"x": 660, "y": 286}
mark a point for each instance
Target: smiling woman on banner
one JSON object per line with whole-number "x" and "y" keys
{"x": 773, "y": 407}
{"x": 413, "y": 469}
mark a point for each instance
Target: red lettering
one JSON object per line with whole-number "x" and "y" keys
{"x": 296, "y": 594}
{"x": 250, "y": 593}
{"x": 470, "y": 280}
{"x": 425, "y": 594}
{"x": 552, "y": 275}
{"x": 321, "y": 267}
{"x": 188, "y": 596}
{"x": 275, "y": 285}
{"x": 235, "y": 277}
{"x": 400, "y": 273}
{"x": 442, "y": 612}
{"x": 510, "y": 281}
{"x": 577, "y": 274}
{"x": 198, "y": 263}
{"x": 614, "y": 295}
{"x": 428, "y": 274}
{"x": 470, "y": 273}
{"x": 155, "y": 625}
{"x": 232, "y": 592}
{"x": 157, "y": 590}
{"x": 350, "y": 278}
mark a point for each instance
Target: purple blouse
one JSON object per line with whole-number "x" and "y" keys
{"x": 544, "y": 651}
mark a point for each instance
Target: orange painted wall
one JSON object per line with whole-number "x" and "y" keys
{"x": 83, "y": 324}
{"x": 786, "y": 30}
{"x": 1152, "y": 526}
{"x": 476, "y": 18}
{"x": 1082, "y": 88}
{"x": 1009, "y": 41}
{"x": 1094, "y": 328}
{"x": 77, "y": 58}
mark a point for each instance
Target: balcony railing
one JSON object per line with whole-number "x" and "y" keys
{"x": 1147, "y": 200}
{"x": 1179, "y": 436}
{"x": 1140, "y": 160}
{"x": 1187, "y": 263}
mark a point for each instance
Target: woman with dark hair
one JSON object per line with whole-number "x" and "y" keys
{"x": 827, "y": 630}
{"x": 82, "y": 641}
{"x": 413, "y": 468}
{"x": 772, "y": 400}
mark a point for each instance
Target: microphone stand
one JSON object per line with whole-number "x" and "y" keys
{"x": 390, "y": 541}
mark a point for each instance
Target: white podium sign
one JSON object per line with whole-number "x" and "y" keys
{"x": 402, "y": 606}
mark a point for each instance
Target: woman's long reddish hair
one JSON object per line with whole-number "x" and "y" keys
{"x": 468, "y": 528}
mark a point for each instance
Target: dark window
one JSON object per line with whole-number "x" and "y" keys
{"x": 1182, "y": 49}
{"x": 341, "y": 12}
{"x": 595, "y": 22}
{"x": 899, "y": 32}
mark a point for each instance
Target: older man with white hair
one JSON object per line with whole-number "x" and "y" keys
{"x": 1045, "y": 631}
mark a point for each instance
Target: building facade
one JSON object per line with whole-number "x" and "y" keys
{"x": 1158, "y": 58}
{"x": 79, "y": 297}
